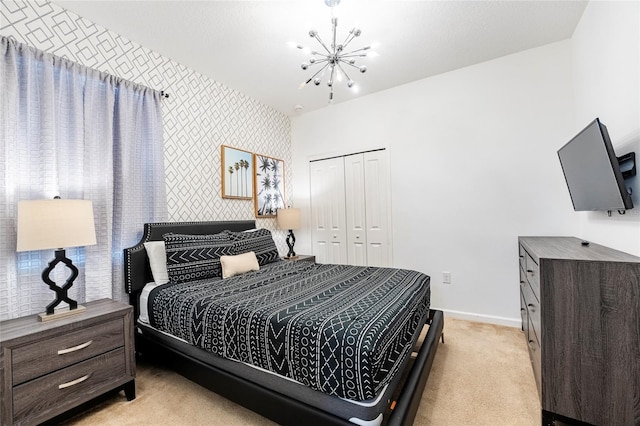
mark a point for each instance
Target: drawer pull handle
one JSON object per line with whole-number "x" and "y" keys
{"x": 530, "y": 271}
{"x": 521, "y": 257}
{"x": 74, "y": 382}
{"x": 75, "y": 348}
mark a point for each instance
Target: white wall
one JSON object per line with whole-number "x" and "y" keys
{"x": 606, "y": 69}
{"x": 473, "y": 165}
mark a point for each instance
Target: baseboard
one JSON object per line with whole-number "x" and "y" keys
{"x": 491, "y": 319}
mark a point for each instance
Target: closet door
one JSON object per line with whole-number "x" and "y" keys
{"x": 328, "y": 210}
{"x": 354, "y": 185}
{"x": 378, "y": 205}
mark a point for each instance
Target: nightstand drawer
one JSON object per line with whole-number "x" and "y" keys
{"x": 38, "y": 358}
{"x": 78, "y": 383}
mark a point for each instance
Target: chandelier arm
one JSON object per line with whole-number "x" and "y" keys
{"x": 351, "y": 65}
{"x": 343, "y": 71}
{"x": 362, "y": 49}
{"x": 357, "y": 55}
{"x": 317, "y": 72}
{"x": 324, "y": 55}
{"x": 349, "y": 38}
{"x": 317, "y": 37}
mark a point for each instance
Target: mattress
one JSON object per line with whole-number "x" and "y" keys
{"x": 368, "y": 413}
{"x": 341, "y": 330}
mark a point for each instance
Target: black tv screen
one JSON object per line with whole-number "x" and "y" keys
{"x": 592, "y": 171}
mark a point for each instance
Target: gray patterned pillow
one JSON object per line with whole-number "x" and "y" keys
{"x": 195, "y": 257}
{"x": 259, "y": 241}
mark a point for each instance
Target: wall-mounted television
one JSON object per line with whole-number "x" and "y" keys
{"x": 592, "y": 171}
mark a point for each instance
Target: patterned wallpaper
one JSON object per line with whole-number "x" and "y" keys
{"x": 199, "y": 115}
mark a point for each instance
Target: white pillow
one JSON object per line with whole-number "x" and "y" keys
{"x": 158, "y": 261}
{"x": 239, "y": 264}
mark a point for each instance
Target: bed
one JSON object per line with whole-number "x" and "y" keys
{"x": 287, "y": 389}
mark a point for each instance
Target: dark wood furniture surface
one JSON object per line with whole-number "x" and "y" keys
{"x": 263, "y": 400}
{"x": 48, "y": 368}
{"x": 302, "y": 258}
{"x": 580, "y": 308}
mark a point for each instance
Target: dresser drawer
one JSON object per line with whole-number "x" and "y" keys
{"x": 533, "y": 275}
{"x": 523, "y": 315}
{"x": 69, "y": 386}
{"x": 533, "y": 308}
{"x": 38, "y": 358}
{"x": 522, "y": 255}
{"x": 536, "y": 357}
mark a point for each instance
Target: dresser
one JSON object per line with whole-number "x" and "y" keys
{"x": 580, "y": 307}
{"x": 48, "y": 368}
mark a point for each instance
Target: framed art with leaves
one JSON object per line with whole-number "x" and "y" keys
{"x": 268, "y": 185}
{"x": 237, "y": 173}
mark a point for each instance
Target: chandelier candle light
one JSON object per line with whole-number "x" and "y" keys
{"x": 334, "y": 56}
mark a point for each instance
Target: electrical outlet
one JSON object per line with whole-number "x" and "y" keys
{"x": 446, "y": 277}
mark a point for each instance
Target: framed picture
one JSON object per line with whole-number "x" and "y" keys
{"x": 268, "y": 185}
{"x": 237, "y": 173}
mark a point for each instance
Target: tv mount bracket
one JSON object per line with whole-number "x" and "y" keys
{"x": 630, "y": 157}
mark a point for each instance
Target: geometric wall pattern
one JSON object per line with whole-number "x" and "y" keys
{"x": 199, "y": 115}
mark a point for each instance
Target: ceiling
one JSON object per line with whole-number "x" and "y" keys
{"x": 245, "y": 45}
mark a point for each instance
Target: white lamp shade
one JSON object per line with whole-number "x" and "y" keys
{"x": 288, "y": 218}
{"x": 55, "y": 224}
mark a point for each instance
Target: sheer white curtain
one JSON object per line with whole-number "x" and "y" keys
{"x": 72, "y": 131}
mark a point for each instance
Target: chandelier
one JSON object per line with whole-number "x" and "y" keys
{"x": 334, "y": 58}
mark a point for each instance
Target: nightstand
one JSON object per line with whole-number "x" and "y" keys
{"x": 48, "y": 368}
{"x": 302, "y": 257}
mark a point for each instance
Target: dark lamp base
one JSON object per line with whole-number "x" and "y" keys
{"x": 61, "y": 292}
{"x": 291, "y": 240}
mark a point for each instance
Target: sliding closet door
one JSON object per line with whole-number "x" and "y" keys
{"x": 354, "y": 184}
{"x": 328, "y": 210}
{"x": 378, "y": 205}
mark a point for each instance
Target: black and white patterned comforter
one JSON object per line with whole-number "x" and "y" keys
{"x": 343, "y": 330}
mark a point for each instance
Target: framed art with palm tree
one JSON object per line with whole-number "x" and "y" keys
{"x": 268, "y": 185}
{"x": 237, "y": 173}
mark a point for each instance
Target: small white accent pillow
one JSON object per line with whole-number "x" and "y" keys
{"x": 158, "y": 261}
{"x": 239, "y": 264}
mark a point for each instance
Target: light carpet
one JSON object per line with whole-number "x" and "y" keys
{"x": 481, "y": 375}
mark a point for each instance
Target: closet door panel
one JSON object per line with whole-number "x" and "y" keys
{"x": 354, "y": 184}
{"x": 377, "y": 201}
{"x": 328, "y": 211}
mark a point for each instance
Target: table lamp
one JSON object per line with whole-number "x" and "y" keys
{"x": 289, "y": 219}
{"x": 56, "y": 224}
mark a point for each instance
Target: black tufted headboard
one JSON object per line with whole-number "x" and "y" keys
{"x": 137, "y": 272}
